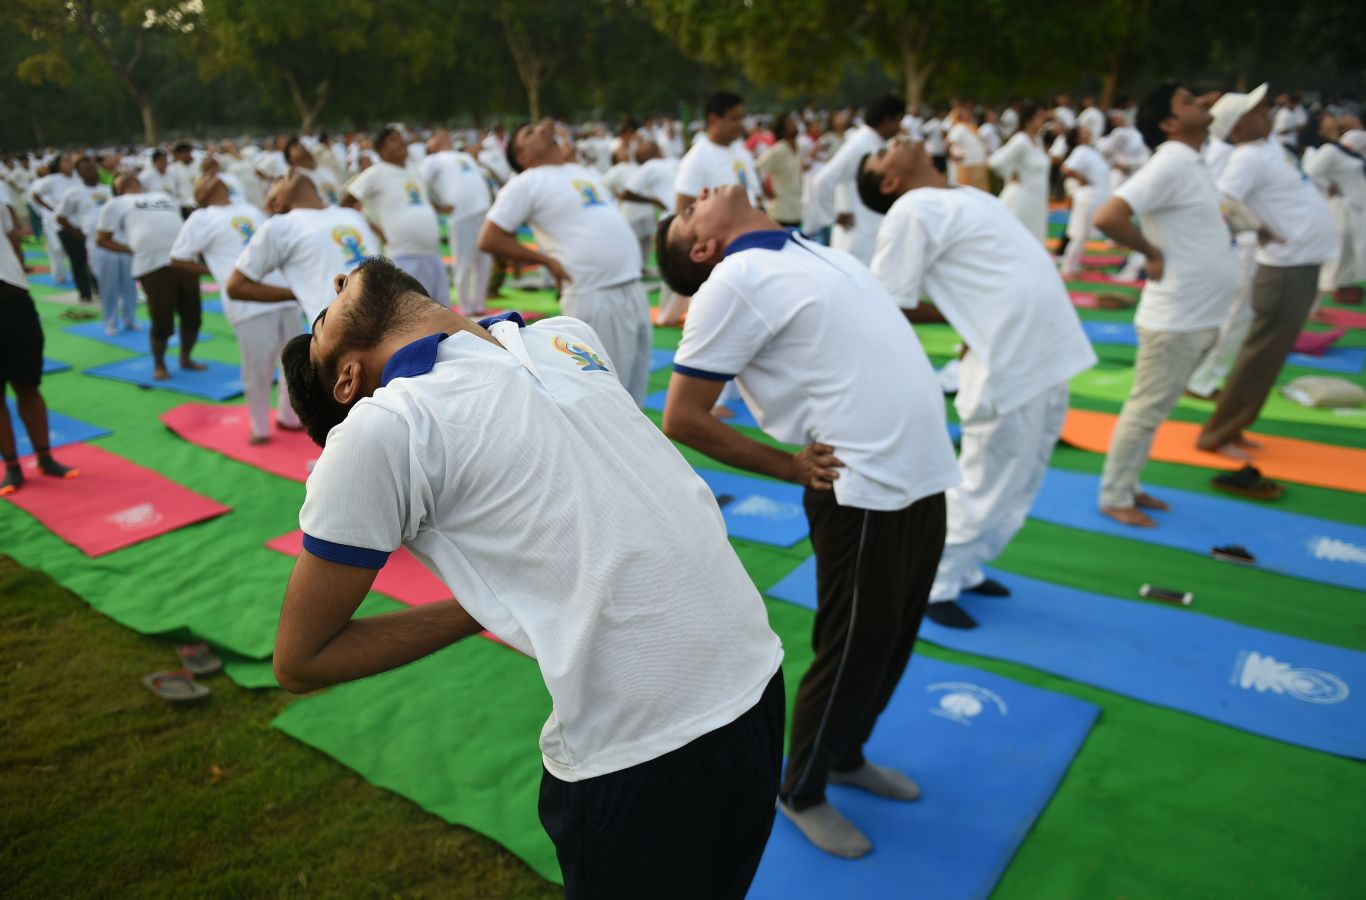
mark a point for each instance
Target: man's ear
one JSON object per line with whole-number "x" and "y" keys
{"x": 702, "y": 251}
{"x": 890, "y": 184}
{"x": 347, "y": 388}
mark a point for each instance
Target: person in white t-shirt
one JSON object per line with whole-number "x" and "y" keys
{"x": 1123, "y": 148}
{"x": 76, "y": 213}
{"x": 825, "y": 360}
{"x": 640, "y": 216}
{"x": 653, "y": 182}
{"x": 150, "y": 222}
{"x": 989, "y": 278}
{"x": 1085, "y": 166}
{"x": 45, "y": 192}
{"x": 1340, "y": 173}
{"x": 967, "y": 152}
{"x": 395, "y": 200}
{"x": 326, "y": 179}
{"x": 307, "y": 242}
{"x": 834, "y": 196}
{"x": 1063, "y": 114}
{"x": 1192, "y": 279}
{"x": 1092, "y": 119}
{"x": 153, "y": 176}
{"x": 719, "y": 158}
{"x": 1023, "y": 165}
{"x": 455, "y": 180}
{"x": 113, "y": 271}
{"x": 1289, "y": 118}
{"x": 510, "y": 462}
{"x": 584, "y": 243}
{"x": 180, "y": 175}
{"x": 989, "y": 131}
{"x": 21, "y": 365}
{"x": 1262, "y": 176}
{"x": 217, "y": 232}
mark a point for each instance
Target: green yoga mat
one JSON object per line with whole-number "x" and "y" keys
{"x": 1114, "y": 384}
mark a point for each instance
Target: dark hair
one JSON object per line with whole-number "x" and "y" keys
{"x": 511, "y": 150}
{"x": 183, "y": 147}
{"x": 1155, "y": 109}
{"x": 157, "y": 154}
{"x": 676, "y": 267}
{"x": 888, "y": 106}
{"x": 290, "y": 145}
{"x": 388, "y": 297}
{"x": 721, "y": 102}
{"x": 870, "y": 188}
{"x": 381, "y": 136}
{"x": 1071, "y": 137}
{"x": 1028, "y": 111}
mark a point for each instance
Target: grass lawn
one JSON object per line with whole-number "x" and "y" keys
{"x": 108, "y": 791}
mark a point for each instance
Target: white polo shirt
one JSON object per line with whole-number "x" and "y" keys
{"x": 526, "y": 479}
{"x": 150, "y": 222}
{"x": 454, "y": 179}
{"x": 397, "y": 202}
{"x": 219, "y": 234}
{"x": 710, "y": 165}
{"x": 1177, "y": 205}
{"x": 309, "y": 247}
{"x": 995, "y": 284}
{"x": 1268, "y": 180}
{"x": 821, "y": 353}
{"x": 654, "y": 178}
{"x": 81, "y": 207}
{"x": 575, "y": 220}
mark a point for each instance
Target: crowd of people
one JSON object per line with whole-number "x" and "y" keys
{"x": 794, "y": 250}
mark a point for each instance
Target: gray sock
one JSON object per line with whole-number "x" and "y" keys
{"x": 878, "y": 780}
{"x": 826, "y": 828}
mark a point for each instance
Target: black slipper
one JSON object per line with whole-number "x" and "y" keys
{"x": 950, "y": 615}
{"x": 989, "y": 587}
{"x": 1248, "y": 482}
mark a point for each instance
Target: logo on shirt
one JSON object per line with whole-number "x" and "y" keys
{"x": 741, "y": 175}
{"x": 100, "y": 198}
{"x": 330, "y": 193}
{"x": 961, "y": 702}
{"x": 242, "y": 225}
{"x": 589, "y": 192}
{"x": 349, "y": 240}
{"x": 1254, "y": 672}
{"x": 414, "y": 193}
{"x": 587, "y": 360}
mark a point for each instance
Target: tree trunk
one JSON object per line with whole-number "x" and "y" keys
{"x": 914, "y": 72}
{"x": 149, "y": 120}
{"x": 533, "y": 98}
{"x": 1109, "y": 86}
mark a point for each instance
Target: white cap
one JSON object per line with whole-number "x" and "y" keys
{"x": 1231, "y": 107}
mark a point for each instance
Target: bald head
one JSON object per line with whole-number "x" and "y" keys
{"x": 646, "y": 151}
{"x": 127, "y": 183}
{"x": 295, "y": 191}
{"x": 439, "y": 142}
{"x": 210, "y": 190}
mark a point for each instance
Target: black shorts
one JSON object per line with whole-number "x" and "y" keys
{"x": 21, "y": 338}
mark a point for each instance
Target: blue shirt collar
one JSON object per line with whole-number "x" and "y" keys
{"x": 765, "y": 239}
{"x": 418, "y": 357}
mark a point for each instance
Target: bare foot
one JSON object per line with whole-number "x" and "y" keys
{"x": 1232, "y": 451}
{"x": 191, "y": 365}
{"x": 1148, "y": 501}
{"x": 1248, "y": 443}
{"x": 1129, "y": 515}
{"x": 160, "y": 374}
{"x": 257, "y": 440}
{"x": 723, "y": 412}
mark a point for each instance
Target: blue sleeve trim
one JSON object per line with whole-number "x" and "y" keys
{"x": 509, "y": 316}
{"x": 345, "y": 554}
{"x": 701, "y": 373}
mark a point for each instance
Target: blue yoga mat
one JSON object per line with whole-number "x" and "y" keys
{"x": 1057, "y": 217}
{"x": 743, "y": 416}
{"x": 52, "y": 366}
{"x": 219, "y": 381}
{"x": 1340, "y": 360}
{"x": 1121, "y": 333}
{"x": 1286, "y": 688}
{"x": 988, "y": 753}
{"x": 660, "y": 359}
{"x": 1292, "y": 544}
{"x": 44, "y": 279}
{"x": 61, "y": 430}
{"x": 758, "y": 509}
{"x": 132, "y": 341}
{"x": 212, "y": 306}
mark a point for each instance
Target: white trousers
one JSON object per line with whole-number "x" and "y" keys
{"x": 1079, "y": 221}
{"x": 260, "y": 339}
{"x": 1004, "y": 458}
{"x": 57, "y": 265}
{"x": 1219, "y": 361}
{"x": 472, "y": 266}
{"x": 620, "y": 314}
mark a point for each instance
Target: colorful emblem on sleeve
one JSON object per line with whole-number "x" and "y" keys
{"x": 584, "y": 357}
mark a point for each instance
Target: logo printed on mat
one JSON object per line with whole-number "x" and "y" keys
{"x": 1334, "y": 550}
{"x": 1255, "y": 672}
{"x": 759, "y": 507}
{"x": 143, "y": 515}
{"x": 962, "y": 701}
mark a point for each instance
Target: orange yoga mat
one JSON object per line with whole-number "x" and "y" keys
{"x": 1288, "y": 459}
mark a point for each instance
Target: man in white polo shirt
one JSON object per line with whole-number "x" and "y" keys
{"x": 1266, "y": 178}
{"x": 585, "y": 244}
{"x": 308, "y": 242}
{"x": 454, "y": 180}
{"x": 834, "y": 194}
{"x": 395, "y": 200}
{"x": 989, "y": 277}
{"x": 217, "y": 232}
{"x": 1192, "y": 279}
{"x": 511, "y": 463}
{"x": 825, "y": 360}
{"x": 150, "y": 222}
{"x": 718, "y": 158}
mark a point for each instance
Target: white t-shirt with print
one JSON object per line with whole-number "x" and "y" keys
{"x": 654, "y": 178}
{"x": 327, "y": 182}
{"x": 454, "y": 179}
{"x": 575, "y": 220}
{"x": 710, "y": 165}
{"x": 1268, "y": 180}
{"x": 396, "y": 201}
{"x": 219, "y": 234}
{"x": 81, "y": 206}
{"x": 526, "y": 479}
{"x": 309, "y": 247}
{"x": 149, "y": 222}
{"x": 821, "y": 353}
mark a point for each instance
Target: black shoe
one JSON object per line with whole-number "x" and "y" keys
{"x": 950, "y": 615}
{"x": 989, "y": 587}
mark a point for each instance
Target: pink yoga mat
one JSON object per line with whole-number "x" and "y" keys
{"x": 1102, "y": 278}
{"x": 1084, "y": 301}
{"x": 112, "y": 504}
{"x": 224, "y": 429}
{"x": 1102, "y": 261}
{"x": 1344, "y": 317}
{"x": 1316, "y": 343}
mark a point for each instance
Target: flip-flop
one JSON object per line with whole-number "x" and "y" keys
{"x": 198, "y": 659}
{"x": 176, "y": 687}
{"x": 1248, "y": 482}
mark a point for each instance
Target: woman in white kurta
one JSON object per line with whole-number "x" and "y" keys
{"x": 1091, "y": 172}
{"x": 1341, "y": 175}
{"x": 1023, "y": 165}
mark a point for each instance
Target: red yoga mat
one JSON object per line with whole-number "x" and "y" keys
{"x": 1344, "y": 317}
{"x": 1317, "y": 343}
{"x": 1102, "y": 278}
{"x": 1102, "y": 261}
{"x": 224, "y": 429}
{"x": 113, "y": 504}
{"x": 1084, "y": 301}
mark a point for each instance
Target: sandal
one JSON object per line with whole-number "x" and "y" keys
{"x": 176, "y": 687}
{"x": 1234, "y": 553}
{"x": 198, "y": 659}
{"x": 1248, "y": 482}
